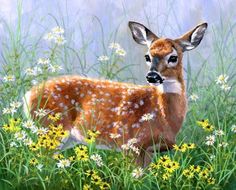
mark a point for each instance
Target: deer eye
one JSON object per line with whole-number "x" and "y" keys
{"x": 147, "y": 57}
{"x": 172, "y": 59}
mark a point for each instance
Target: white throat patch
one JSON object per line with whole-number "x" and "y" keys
{"x": 170, "y": 86}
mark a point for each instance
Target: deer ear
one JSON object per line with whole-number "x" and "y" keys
{"x": 141, "y": 34}
{"x": 192, "y": 39}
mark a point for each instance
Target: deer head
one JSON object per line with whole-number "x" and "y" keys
{"x": 164, "y": 55}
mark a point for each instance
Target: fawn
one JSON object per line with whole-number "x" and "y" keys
{"x": 116, "y": 109}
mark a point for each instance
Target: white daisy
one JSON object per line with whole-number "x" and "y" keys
{"x": 225, "y": 87}
{"x": 125, "y": 146}
{"x": 43, "y": 61}
{"x": 223, "y": 144}
{"x": 27, "y": 141}
{"x": 219, "y": 132}
{"x": 21, "y": 135}
{"x": 58, "y": 30}
{"x": 135, "y": 149}
{"x": 28, "y": 124}
{"x": 103, "y": 58}
{"x": 9, "y": 78}
{"x": 121, "y": 52}
{"x": 222, "y": 79}
{"x": 210, "y": 140}
{"x": 54, "y": 68}
{"x": 60, "y": 40}
{"x": 233, "y": 128}
{"x": 132, "y": 141}
{"x": 15, "y": 104}
{"x": 63, "y": 163}
{"x": 194, "y": 97}
{"x": 115, "y": 135}
{"x": 49, "y": 36}
{"x": 6, "y": 110}
{"x": 114, "y": 45}
{"x": 39, "y": 167}
{"x": 41, "y": 112}
{"x": 137, "y": 173}
{"x": 13, "y": 144}
{"x": 97, "y": 159}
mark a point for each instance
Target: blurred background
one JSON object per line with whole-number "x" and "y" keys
{"x": 90, "y": 26}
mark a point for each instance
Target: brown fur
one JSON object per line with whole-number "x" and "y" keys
{"x": 120, "y": 106}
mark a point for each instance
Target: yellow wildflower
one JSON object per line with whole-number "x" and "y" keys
{"x": 211, "y": 181}
{"x": 195, "y": 168}
{"x": 57, "y": 156}
{"x": 81, "y": 149}
{"x": 83, "y": 156}
{"x": 14, "y": 121}
{"x": 89, "y": 140}
{"x": 33, "y": 161}
{"x": 191, "y": 146}
{"x": 91, "y": 173}
{"x": 72, "y": 158}
{"x": 155, "y": 166}
{"x": 54, "y": 117}
{"x": 93, "y": 133}
{"x": 205, "y": 125}
{"x": 87, "y": 187}
{"x": 169, "y": 168}
{"x": 34, "y": 147}
{"x": 52, "y": 144}
{"x": 104, "y": 186}
{"x": 175, "y": 165}
{"x": 204, "y": 174}
{"x": 164, "y": 159}
{"x": 183, "y": 148}
{"x": 166, "y": 176}
{"x": 176, "y": 147}
{"x": 188, "y": 173}
{"x": 96, "y": 180}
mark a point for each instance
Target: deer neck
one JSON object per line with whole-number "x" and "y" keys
{"x": 174, "y": 104}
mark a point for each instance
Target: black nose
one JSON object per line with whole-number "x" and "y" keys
{"x": 154, "y": 77}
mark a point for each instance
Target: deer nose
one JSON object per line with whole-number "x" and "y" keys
{"x": 154, "y": 77}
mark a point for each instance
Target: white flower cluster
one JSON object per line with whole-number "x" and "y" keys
{"x": 12, "y": 108}
{"x": 21, "y": 137}
{"x": 118, "y": 49}
{"x": 97, "y": 159}
{"x": 130, "y": 146}
{"x": 56, "y": 35}
{"x": 43, "y": 63}
{"x": 211, "y": 139}
{"x": 222, "y": 81}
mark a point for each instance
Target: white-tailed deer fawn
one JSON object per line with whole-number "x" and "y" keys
{"x": 116, "y": 109}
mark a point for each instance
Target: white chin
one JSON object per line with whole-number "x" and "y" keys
{"x": 154, "y": 84}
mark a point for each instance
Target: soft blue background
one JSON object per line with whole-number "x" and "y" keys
{"x": 167, "y": 18}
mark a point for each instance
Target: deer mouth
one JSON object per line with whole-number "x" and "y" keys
{"x": 154, "y": 78}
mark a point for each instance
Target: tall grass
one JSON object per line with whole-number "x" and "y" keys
{"x": 18, "y": 172}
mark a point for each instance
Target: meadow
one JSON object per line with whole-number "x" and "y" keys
{"x": 203, "y": 157}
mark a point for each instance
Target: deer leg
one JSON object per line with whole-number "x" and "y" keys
{"x": 74, "y": 138}
{"x": 148, "y": 156}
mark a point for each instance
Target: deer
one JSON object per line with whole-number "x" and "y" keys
{"x": 117, "y": 108}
